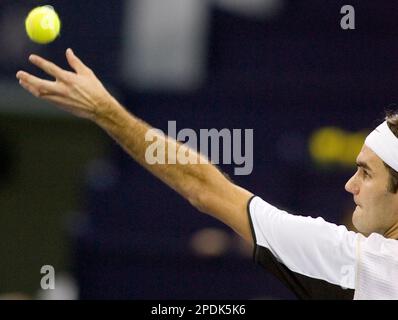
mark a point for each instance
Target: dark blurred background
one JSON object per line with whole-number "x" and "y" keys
{"x": 71, "y": 198}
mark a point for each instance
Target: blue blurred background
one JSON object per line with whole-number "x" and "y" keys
{"x": 71, "y": 198}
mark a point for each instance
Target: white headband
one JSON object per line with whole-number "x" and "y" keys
{"x": 385, "y": 144}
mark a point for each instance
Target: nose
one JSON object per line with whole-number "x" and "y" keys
{"x": 352, "y": 185}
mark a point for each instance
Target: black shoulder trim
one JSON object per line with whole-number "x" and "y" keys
{"x": 252, "y": 229}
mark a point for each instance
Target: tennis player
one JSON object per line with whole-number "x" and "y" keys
{"x": 314, "y": 258}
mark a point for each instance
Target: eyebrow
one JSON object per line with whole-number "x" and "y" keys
{"x": 363, "y": 165}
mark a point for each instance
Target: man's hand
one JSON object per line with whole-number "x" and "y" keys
{"x": 79, "y": 92}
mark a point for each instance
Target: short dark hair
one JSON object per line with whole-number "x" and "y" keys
{"x": 392, "y": 122}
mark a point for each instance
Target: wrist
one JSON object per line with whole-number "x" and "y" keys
{"x": 108, "y": 112}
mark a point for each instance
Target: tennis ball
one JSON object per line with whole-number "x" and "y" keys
{"x": 42, "y": 24}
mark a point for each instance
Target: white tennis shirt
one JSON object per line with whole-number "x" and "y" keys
{"x": 321, "y": 250}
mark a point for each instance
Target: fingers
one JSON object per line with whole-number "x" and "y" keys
{"x": 50, "y": 68}
{"x": 36, "y": 85}
{"x": 60, "y": 101}
{"x": 29, "y": 88}
{"x": 47, "y": 96}
{"x": 76, "y": 63}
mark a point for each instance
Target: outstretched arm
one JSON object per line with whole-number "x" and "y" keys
{"x": 82, "y": 94}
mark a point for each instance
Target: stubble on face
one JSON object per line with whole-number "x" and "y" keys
{"x": 375, "y": 205}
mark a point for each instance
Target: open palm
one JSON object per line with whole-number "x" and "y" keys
{"x": 78, "y": 92}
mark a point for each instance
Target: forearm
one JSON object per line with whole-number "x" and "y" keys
{"x": 130, "y": 132}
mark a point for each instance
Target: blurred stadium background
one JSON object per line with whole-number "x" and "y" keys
{"x": 71, "y": 198}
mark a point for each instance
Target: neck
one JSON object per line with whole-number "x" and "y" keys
{"x": 392, "y": 233}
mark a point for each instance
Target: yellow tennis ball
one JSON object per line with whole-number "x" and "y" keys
{"x": 43, "y": 25}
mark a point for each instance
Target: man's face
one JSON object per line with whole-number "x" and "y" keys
{"x": 377, "y": 208}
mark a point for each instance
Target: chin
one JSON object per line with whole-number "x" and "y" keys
{"x": 358, "y": 221}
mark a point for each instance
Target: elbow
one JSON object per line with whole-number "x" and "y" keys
{"x": 199, "y": 199}
{"x": 201, "y": 192}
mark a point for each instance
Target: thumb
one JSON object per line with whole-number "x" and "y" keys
{"x": 75, "y": 62}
